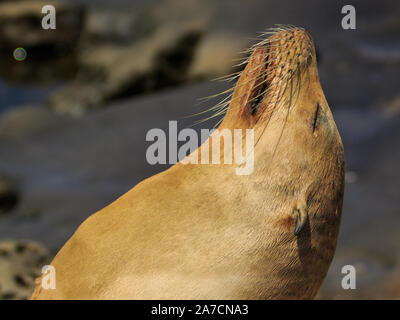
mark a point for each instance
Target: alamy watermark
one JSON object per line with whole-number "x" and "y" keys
{"x": 189, "y": 152}
{"x": 349, "y": 20}
{"x": 349, "y": 280}
{"x": 49, "y": 20}
{"x": 49, "y": 277}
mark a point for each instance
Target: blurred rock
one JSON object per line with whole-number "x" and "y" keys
{"x": 36, "y": 72}
{"x": 392, "y": 106}
{"x": 50, "y": 53}
{"x": 20, "y": 264}
{"x": 9, "y": 196}
{"x": 120, "y": 26}
{"x": 20, "y": 25}
{"x": 217, "y": 54}
{"x": 112, "y": 72}
{"x": 143, "y": 50}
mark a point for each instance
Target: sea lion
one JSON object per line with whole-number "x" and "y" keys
{"x": 205, "y": 232}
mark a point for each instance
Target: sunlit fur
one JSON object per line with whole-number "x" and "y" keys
{"x": 200, "y": 231}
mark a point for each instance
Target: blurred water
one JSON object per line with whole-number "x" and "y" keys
{"x": 17, "y": 95}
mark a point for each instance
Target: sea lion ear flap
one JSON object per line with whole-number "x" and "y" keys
{"x": 248, "y": 84}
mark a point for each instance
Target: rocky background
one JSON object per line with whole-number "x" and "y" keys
{"x": 74, "y": 115}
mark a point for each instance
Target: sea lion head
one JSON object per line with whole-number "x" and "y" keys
{"x": 279, "y": 95}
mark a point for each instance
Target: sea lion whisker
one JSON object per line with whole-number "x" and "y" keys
{"x": 212, "y": 109}
{"x": 269, "y": 77}
{"x": 280, "y": 135}
{"x": 298, "y": 84}
{"x": 225, "y": 104}
{"x": 222, "y": 112}
{"x": 216, "y": 95}
{"x": 265, "y": 127}
{"x": 273, "y": 108}
{"x": 220, "y": 105}
{"x": 227, "y": 76}
{"x": 286, "y": 118}
{"x": 230, "y": 89}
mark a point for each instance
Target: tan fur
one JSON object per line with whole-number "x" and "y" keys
{"x": 203, "y": 232}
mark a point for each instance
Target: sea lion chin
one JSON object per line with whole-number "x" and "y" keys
{"x": 203, "y": 231}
